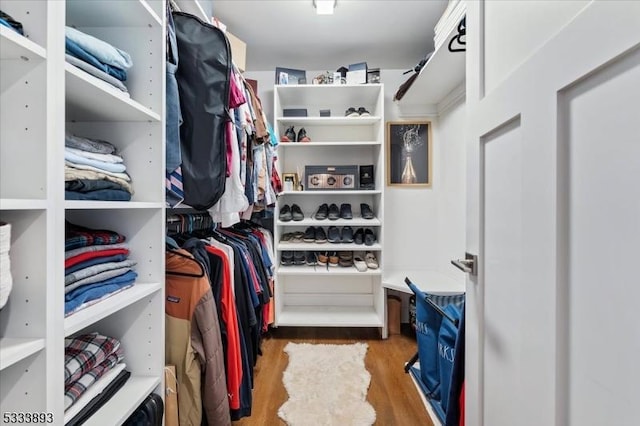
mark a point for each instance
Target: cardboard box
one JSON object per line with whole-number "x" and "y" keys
{"x": 238, "y": 51}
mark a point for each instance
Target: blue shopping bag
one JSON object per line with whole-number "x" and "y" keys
{"x": 446, "y": 350}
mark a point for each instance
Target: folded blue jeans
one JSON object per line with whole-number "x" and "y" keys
{"x": 99, "y": 49}
{"x": 99, "y": 195}
{"x": 75, "y": 50}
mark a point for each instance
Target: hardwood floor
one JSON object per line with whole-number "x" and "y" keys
{"x": 391, "y": 393}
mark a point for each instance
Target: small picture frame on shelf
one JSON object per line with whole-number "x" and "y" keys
{"x": 409, "y": 146}
{"x": 290, "y": 181}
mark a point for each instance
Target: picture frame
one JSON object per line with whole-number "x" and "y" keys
{"x": 286, "y": 76}
{"x": 409, "y": 147}
{"x": 290, "y": 181}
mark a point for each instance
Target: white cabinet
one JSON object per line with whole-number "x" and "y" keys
{"x": 41, "y": 95}
{"x": 332, "y": 296}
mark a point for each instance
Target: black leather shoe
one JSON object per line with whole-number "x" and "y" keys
{"x": 369, "y": 237}
{"x": 322, "y": 212}
{"x": 362, "y": 112}
{"x": 334, "y": 212}
{"x": 345, "y": 211}
{"x": 365, "y": 211}
{"x": 285, "y": 213}
{"x": 296, "y": 213}
{"x": 289, "y": 135}
{"x": 358, "y": 237}
{"x": 347, "y": 234}
{"x": 302, "y": 136}
{"x": 333, "y": 235}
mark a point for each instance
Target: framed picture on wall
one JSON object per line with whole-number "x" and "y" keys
{"x": 409, "y": 146}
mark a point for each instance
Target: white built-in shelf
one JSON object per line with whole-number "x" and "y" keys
{"x": 124, "y": 402}
{"x": 331, "y": 144}
{"x": 91, "y": 99}
{"x": 334, "y": 192}
{"x": 194, "y": 8}
{"x": 13, "y": 350}
{"x": 356, "y": 221}
{"x": 426, "y": 280}
{"x": 441, "y": 74}
{"x": 328, "y": 246}
{"x": 323, "y": 270}
{"x": 106, "y": 205}
{"x": 329, "y": 121}
{"x": 104, "y": 308}
{"x": 22, "y": 204}
{"x": 130, "y": 13}
{"x": 350, "y": 95}
{"x": 16, "y": 46}
{"x": 335, "y": 316}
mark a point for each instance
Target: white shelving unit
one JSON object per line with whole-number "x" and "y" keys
{"x": 331, "y": 296}
{"x": 40, "y": 96}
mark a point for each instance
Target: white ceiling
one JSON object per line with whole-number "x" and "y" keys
{"x": 288, "y": 33}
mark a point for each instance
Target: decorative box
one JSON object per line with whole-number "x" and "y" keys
{"x": 331, "y": 177}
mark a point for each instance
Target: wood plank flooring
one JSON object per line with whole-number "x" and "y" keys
{"x": 391, "y": 393}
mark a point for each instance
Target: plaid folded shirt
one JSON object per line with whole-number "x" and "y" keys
{"x": 83, "y": 353}
{"x": 73, "y": 392}
{"x": 78, "y": 236}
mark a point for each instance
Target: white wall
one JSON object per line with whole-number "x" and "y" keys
{"x": 424, "y": 227}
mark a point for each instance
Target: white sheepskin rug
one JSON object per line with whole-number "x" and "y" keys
{"x": 327, "y": 385}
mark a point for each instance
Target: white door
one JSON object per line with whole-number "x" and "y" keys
{"x": 553, "y": 101}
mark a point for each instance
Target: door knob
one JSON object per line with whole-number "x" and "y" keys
{"x": 469, "y": 264}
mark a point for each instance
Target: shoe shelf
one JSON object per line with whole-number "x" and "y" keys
{"x": 285, "y": 245}
{"x": 334, "y": 192}
{"x": 329, "y": 316}
{"x": 324, "y": 270}
{"x": 327, "y": 295}
{"x": 356, "y": 221}
{"x": 314, "y": 144}
{"x": 16, "y": 46}
{"x": 13, "y": 350}
{"x": 329, "y": 121}
{"x": 22, "y": 204}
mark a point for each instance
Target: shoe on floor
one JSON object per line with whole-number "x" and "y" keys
{"x": 347, "y": 234}
{"x": 310, "y": 235}
{"x": 302, "y": 136}
{"x": 345, "y": 211}
{"x": 334, "y": 212}
{"x": 358, "y": 237}
{"x": 362, "y": 112}
{"x": 289, "y": 135}
{"x": 322, "y": 212}
{"x": 351, "y": 112}
{"x": 365, "y": 211}
{"x": 296, "y": 213}
{"x": 369, "y": 237}
{"x": 285, "y": 213}
{"x": 333, "y": 235}
{"x": 359, "y": 263}
{"x": 370, "y": 260}
{"x": 321, "y": 237}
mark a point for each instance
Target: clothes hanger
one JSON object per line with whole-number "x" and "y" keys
{"x": 185, "y": 274}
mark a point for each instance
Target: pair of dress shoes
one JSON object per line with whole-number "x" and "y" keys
{"x": 290, "y": 135}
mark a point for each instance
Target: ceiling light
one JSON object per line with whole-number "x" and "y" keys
{"x": 324, "y": 7}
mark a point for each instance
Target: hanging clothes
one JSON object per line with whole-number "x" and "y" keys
{"x": 204, "y": 66}
{"x": 193, "y": 343}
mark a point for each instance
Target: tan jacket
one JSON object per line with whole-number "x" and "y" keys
{"x": 194, "y": 346}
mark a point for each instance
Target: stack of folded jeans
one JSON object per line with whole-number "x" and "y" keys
{"x": 96, "y": 266}
{"x": 97, "y": 57}
{"x": 94, "y": 171}
{"x": 87, "y": 358}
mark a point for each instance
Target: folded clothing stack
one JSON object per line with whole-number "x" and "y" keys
{"x": 6, "y": 279}
{"x": 96, "y": 266}
{"x": 97, "y": 57}
{"x": 94, "y": 171}
{"x": 91, "y": 361}
{"x": 7, "y": 21}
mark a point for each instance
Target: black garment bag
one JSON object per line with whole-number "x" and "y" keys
{"x": 204, "y": 69}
